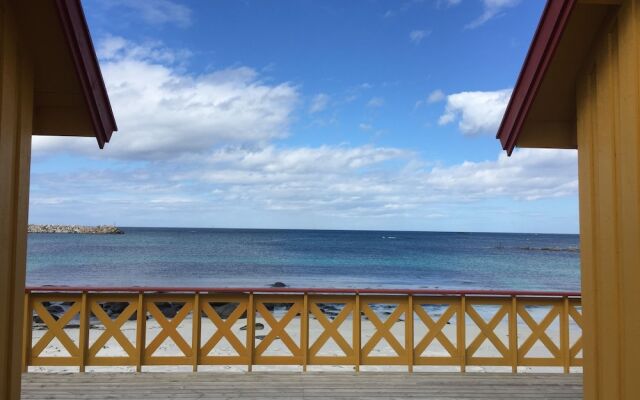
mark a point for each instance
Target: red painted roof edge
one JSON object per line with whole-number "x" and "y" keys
{"x": 545, "y": 41}
{"x": 76, "y": 30}
{"x": 284, "y": 290}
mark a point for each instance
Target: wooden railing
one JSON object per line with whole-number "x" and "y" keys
{"x": 285, "y": 326}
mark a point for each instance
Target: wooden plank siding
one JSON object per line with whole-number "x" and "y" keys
{"x": 16, "y": 105}
{"x": 312, "y": 385}
{"x": 608, "y": 104}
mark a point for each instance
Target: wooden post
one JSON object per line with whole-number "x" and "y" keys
{"x": 513, "y": 334}
{"x": 196, "y": 334}
{"x": 409, "y": 333}
{"x": 564, "y": 336}
{"x": 28, "y": 321}
{"x": 251, "y": 330}
{"x": 304, "y": 339}
{"x": 16, "y": 109}
{"x": 608, "y": 132}
{"x": 357, "y": 332}
{"x": 141, "y": 326}
{"x": 461, "y": 340}
{"x": 84, "y": 330}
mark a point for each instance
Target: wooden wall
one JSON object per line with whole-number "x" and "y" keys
{"x": 16, "y": 104}
{"x": 608, "y": 108}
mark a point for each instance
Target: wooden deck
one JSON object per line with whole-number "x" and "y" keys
{"x": 283, "y": 385}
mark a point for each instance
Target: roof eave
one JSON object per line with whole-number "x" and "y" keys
{"x": 545, "y": 41}
{"x": 76, "y": 31}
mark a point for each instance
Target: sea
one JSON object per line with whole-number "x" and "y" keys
{"x": 189, "y": 257}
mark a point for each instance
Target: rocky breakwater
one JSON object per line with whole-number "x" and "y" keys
{"x": 96, "y": 230}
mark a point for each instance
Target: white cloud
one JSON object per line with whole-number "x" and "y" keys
{"x": 416, "y": 36}
{"x": 530, "y": 174}
{"x": 117, "y": 48}
{"x": 163, "y": 112}
{"x": 375, "y": 102}
{"x": 491, "y": 9}
{"x": 365, "y": 127}
{"x": 319, "y": 103}
{"x": 448, "y": 3}
{"x": 208, "y": 156}
{"x": 326, "y": 183}
{"x": 477, "y": 112}
{"x": 435, "y": 96}
{"x": 157, "y": 11}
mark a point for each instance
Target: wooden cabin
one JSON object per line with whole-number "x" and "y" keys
{"x": 579, "y": 88}
{"x": 50, "y": 84}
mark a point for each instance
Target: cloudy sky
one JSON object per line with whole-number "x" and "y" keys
{"x": 328, "y": 114}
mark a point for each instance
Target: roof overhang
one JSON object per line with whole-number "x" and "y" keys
{"x": 70, "y": 97}
{"x": 542, "y": 110}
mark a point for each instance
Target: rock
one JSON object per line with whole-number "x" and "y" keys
{"x": 329, "y": 308}
{"x": 258, "y": 327}
{"x": 278, "y": 284}
{"x": 273, "y": 306}
{"x": 331, "y": 315}
{"x": 169, "y": 310}
{"x": 116, "y": 307}
{"x": 100, "y": 229}
{"x": 224, "y": 310}
{"x": 55, "y": 309}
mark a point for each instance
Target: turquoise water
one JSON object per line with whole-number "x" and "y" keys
{"x": 306, "y": 258}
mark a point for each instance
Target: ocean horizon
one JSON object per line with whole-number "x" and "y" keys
{"x": 223, "y": 257}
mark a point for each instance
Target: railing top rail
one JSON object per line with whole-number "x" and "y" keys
{"x": 291, "y": 290}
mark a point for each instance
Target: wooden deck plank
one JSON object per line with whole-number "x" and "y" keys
{"x": 310, "y": 385}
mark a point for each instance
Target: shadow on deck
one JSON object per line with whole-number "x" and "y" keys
{"x": 310, "y": 385}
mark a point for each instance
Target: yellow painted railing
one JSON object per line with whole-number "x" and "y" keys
{"x": 306, "y": 327}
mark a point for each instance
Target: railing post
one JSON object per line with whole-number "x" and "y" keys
{"x": 564, "y": 335}
{"x": 356, "y": 332}
{"x": 141, "y": 326}
{"x": 84, "y": 330}
{"x": 195, "y": 334}
{"x": 409, "y": 333}
{"x": 513, "y": 334}
{"x": 304, "y": 339}
{"x": 251, "y": 328}
{"x": 27, "y": 332}
{"x": 461, "y": 330}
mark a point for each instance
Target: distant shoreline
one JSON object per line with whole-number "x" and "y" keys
{"x": 80, "y": 229}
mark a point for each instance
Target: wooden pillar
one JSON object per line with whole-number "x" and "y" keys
{"x": 608, "y": 109}
{"x": 16, "y": 105}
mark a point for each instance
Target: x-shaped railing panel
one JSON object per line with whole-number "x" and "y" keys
{"x": 487, "y": 331}
{"x": 55, "y": 330}
{"x": 435, "y": 330}
{"x": 224, "y": 330}
{"x": 539, "y": 332}
{"x": 331, "y": 330}
{"x": 168, "y": 329}
{"x": 576, "y": 347}
{"x": 112, "y": 329}
{"x": 383, "y": 330}
{"x": 278, "y": 330}
{"x": 320, "y": 327}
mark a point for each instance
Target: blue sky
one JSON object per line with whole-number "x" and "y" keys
{"x": 308, "y": 114}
